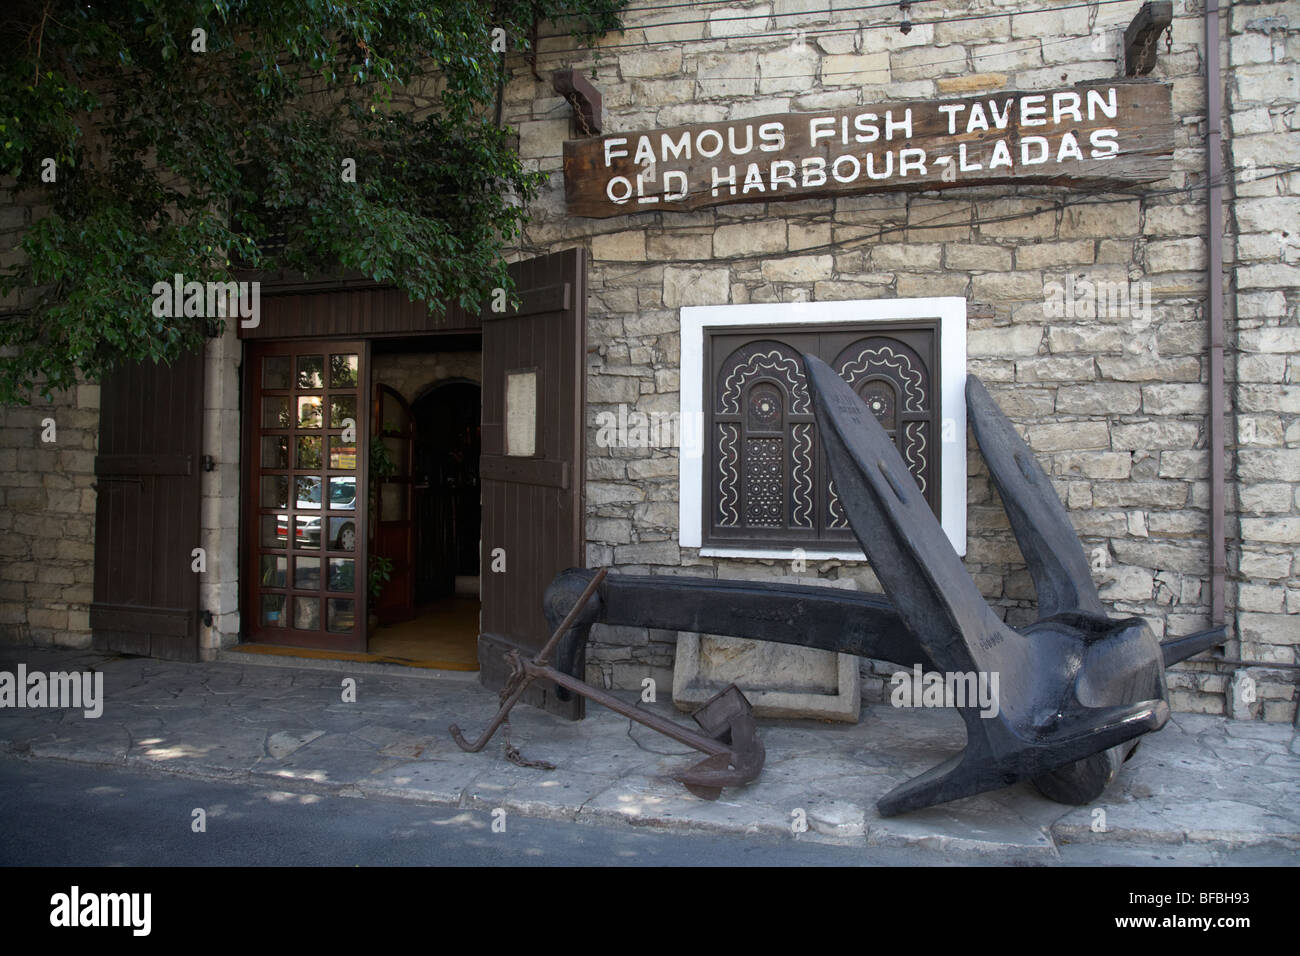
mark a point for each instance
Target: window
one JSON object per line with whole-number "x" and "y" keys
{"x": 757, "y": 482}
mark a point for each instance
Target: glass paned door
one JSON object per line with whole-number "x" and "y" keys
{"x": 304, "y": 580}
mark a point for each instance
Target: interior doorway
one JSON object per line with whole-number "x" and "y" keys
{"x": 448, "y": 511}
{"x": 427, "y": 402}
{"x": 305, "y": 494}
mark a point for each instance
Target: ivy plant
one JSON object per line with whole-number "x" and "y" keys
{"x": 199, "y": 137}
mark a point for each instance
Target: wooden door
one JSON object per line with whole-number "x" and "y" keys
{"x": 146, "y": 591}
{"x": 305, "y": 486}
{"x": 393, "y": 535}
{"x": 533, "y": 461}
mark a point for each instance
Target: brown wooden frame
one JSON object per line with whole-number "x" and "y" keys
{"x": 387, "y": 609}
{"x": 826, "y": 340}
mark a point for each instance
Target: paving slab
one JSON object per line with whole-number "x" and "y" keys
{"x": 1199, "y": 789}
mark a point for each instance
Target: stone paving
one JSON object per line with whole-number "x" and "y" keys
{"x": 1203, "y": 781}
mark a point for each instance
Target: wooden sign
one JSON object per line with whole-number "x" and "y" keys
{"x": 1095, "y": 134}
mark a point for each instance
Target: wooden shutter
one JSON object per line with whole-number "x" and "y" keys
{"x": 146, "y": 595}
{"x": 533, "y": 460}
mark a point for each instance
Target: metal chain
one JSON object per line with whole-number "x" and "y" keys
{"x": 578, "y": 114}
{"x": 518, "y": 759}
{"x": 517, "y": 676}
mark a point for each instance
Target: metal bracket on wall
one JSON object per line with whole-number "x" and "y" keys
{"x": 1141, "y": 36}
{"x": 588, "y": 111}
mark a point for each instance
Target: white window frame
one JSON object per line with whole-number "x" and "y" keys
{"x": 951, "y": 312}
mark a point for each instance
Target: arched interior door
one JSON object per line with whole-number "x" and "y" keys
{"x": 448, "y": 512}
{"x": 393, "y": 530}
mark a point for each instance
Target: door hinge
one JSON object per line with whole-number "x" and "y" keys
{"x": 208, "y": 462}
{"x": 206, "y": 617}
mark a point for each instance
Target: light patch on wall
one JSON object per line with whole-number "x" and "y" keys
{"x": 521, "y": 413}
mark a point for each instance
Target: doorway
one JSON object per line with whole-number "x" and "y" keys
{"x": 428, "y": 517}
{"x": 305, "y": 495}
{"x": 448, "y": 510}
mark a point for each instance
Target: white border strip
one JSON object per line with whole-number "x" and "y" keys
{"x": 951, "y": 312}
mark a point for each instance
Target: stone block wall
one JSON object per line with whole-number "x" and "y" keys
{"x": 1114, "y": 406}
{"x": 47, "y": 518}
{"x": 219, "y": 492}
{"x": 47, "y": 506}
{"x": 47, "y": 511}
{"x": 411, "y": 373}
{"x": 1263, "y": 136}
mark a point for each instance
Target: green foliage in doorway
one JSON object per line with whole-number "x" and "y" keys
{"x": 381, "y": 572}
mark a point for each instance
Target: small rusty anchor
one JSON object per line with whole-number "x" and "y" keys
{"x": 729, "y": 738}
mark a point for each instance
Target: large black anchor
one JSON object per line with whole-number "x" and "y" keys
{"x": 1077, "y": 688}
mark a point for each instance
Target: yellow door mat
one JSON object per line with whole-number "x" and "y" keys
{"x": 442, "y": 636}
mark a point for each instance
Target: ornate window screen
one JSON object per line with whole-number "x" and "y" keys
{"x": 766, "y": 482}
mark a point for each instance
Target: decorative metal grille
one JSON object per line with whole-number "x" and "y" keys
{"x": 767, "y": 482}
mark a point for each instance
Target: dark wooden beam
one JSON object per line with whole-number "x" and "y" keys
{"x": 588, "y": 112}
{"x": 1141, "y": 36}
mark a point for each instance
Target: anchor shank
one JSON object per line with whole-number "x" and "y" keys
{"x": 540, "y": 660}
{"x": 502, "y": 713}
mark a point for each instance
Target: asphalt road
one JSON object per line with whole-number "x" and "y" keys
{"x": 57, "y": 814}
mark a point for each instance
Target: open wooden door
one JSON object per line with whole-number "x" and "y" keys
{"x": 146, "y": 594}
{"x": 533, "y": 462}
{"x": 304, "y": 566}
{"x": 393, "y": 434}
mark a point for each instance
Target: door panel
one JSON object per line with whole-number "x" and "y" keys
{"x": 146, "y": 595}
{"x": 305, "y": 491}
{"x": 532, "y": 466}
{"x": 393, "y": 427}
